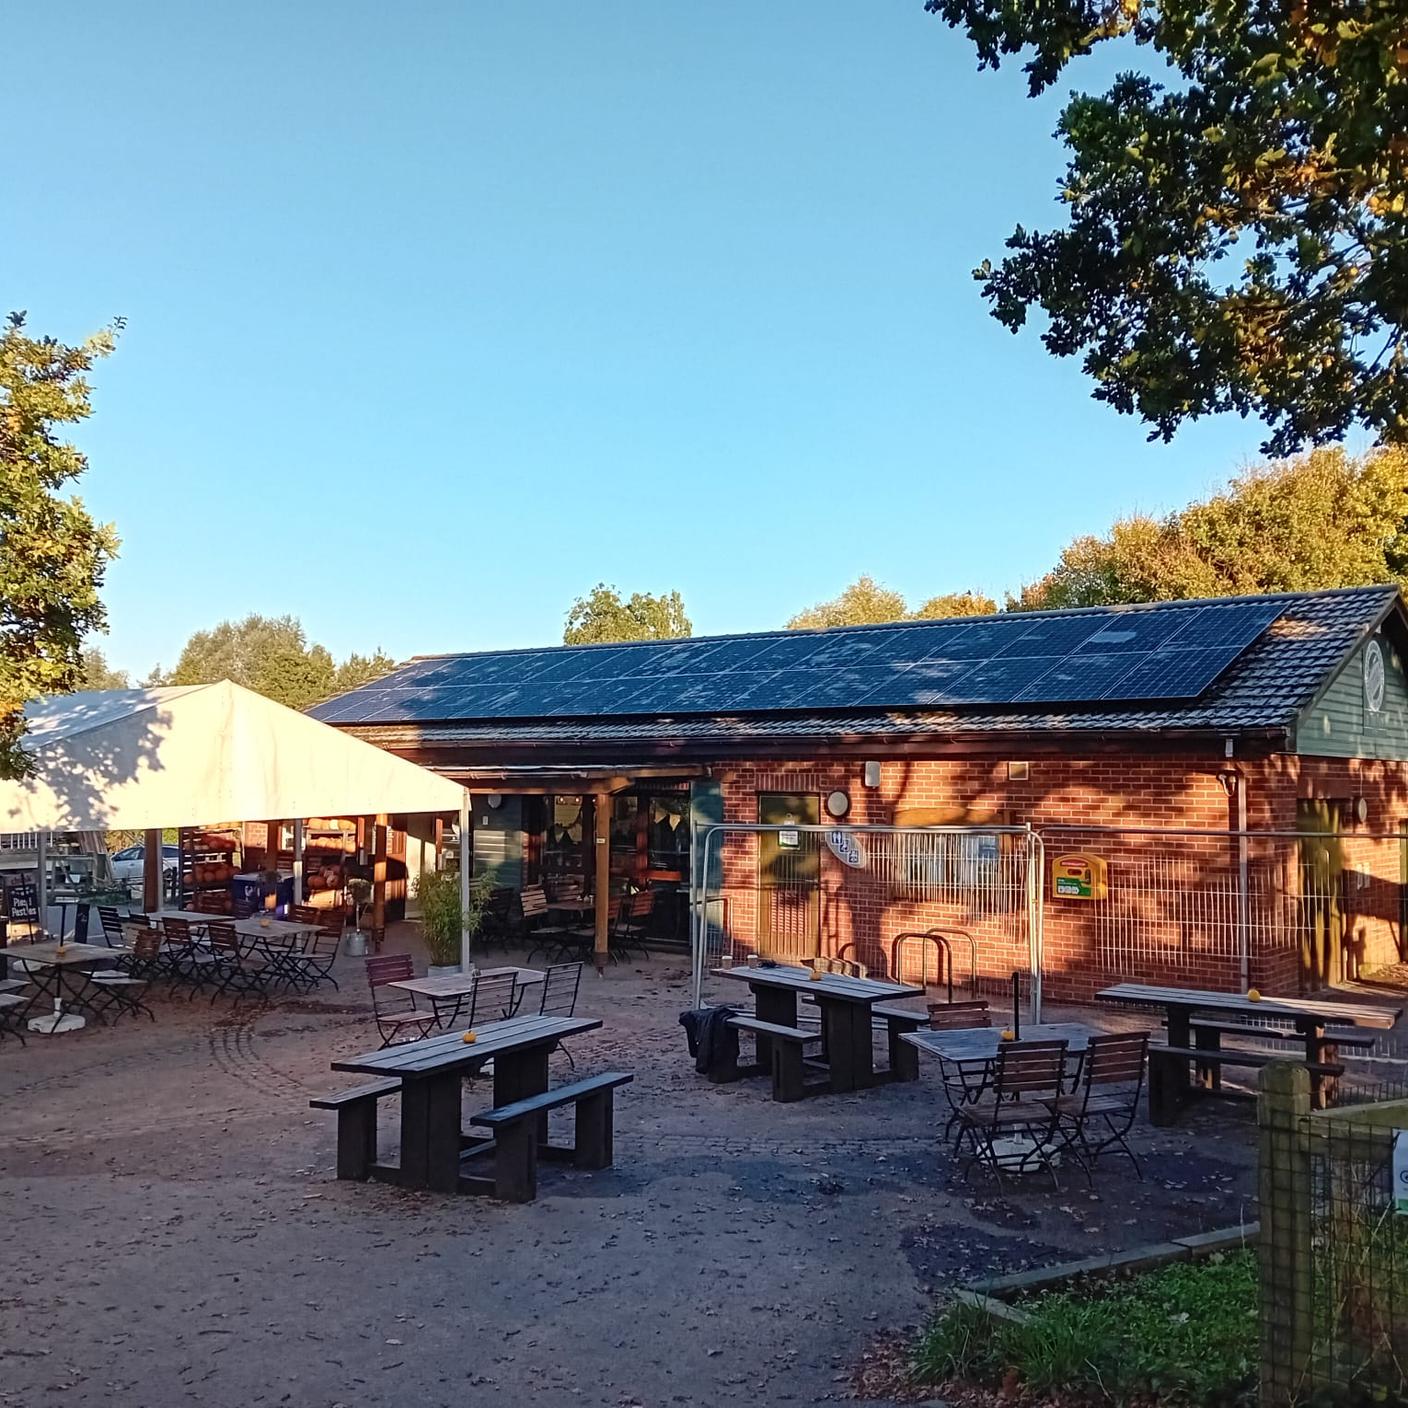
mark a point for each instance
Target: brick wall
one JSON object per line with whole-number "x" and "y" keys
{"x": 1175, "y": 913}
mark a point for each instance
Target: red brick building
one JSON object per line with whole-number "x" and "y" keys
{"x": 1233, "y": 775}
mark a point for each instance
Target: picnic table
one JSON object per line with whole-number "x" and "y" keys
{"x": 61, "y": 975}
{"x": 846, "y": 1005}
{"x": 429, "y": 1073}
{"x": 1308, "y": 1018}
{"x": 449, "y": 990}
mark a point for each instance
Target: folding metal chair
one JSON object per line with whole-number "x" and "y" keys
{"x": 1029, "y": 1078}
{"x": 1106, "y": 1098}
{"x": 396, "y": 1013}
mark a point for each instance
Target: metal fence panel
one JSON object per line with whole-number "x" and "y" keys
{"x": 942, "y": 905}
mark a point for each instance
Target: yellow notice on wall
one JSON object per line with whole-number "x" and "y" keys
{"x": 1078, "y": 875}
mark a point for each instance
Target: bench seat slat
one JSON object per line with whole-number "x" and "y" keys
{"x": 1239, "y": 1058}
{"x": 901, "y": 1014}
{"x": 773, "y": 1029}
{"x": 374, "y": 1090}
{"x": 552, "y": 1099}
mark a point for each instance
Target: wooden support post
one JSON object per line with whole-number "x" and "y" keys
{"x": 601, "y": 906}
{"x": 1284, "y": 1242}
{"x": 152, "y": 892}
{"x": 466, "y": 878}
{"x": 379, "y": 872}
{"x": 298, "y": 861}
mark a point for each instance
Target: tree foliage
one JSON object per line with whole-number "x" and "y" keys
{"x": 868, "y": 603}
{"x": 1324, "y": 519}
{"x": 952, "y": 604}
{"x": 1236, "y": 235}
{"x": 358, "y": 670}
{"x": 602, "y": 615}
{"x": 52, "y": 553}
{"x": 98, "y": 674}
{"x": 272, "y": 656}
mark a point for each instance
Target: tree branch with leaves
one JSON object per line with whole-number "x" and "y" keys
{"x": 1237, "y": 235}
{"x": 53, "y": 554}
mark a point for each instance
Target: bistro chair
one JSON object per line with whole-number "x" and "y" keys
{"x": 397, "y": 1016}
{"x": 1106, "y": 1098}
{"x": 123, "y": 989}
{"x": 561, "y": 984}
{"x": 241, "y": 965}
{"x": 187, "y": 959}
{"x": 496, "y": 927}
{"x": 846, "y": 967}
{"x": 958, "y": 1016}
{"x": 110, "y": 922}
{"x": 1028, "y": 1080}
{"x": 493, "y": 998}
{"x": 312, "y": 964}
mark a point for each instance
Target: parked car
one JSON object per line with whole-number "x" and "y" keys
{"x": 129, "y": 866}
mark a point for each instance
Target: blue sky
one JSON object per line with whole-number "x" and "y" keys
{"x": 440, "y": 313}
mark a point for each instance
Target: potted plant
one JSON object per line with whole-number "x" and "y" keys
{"x": 441, "y": 919}
{"x": 359, "y": 891}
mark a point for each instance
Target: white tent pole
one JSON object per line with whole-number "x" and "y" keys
{"x": 464, "y": 880}
{"x": 41, "y": 892}
{"x": 298, "y": 860}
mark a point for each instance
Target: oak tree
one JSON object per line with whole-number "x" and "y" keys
{"x": 1237, "y": 215}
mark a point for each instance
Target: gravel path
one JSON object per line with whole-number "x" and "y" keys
{"x": 173, "y": 1233}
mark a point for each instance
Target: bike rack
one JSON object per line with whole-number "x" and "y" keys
{"x": 939, "y": 936}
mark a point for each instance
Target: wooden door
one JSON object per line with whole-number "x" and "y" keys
{"x": 1322, "y": 924}
{"x": 789, "y": 877}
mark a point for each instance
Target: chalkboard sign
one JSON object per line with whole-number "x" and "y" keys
{"x": 23, "y": 903}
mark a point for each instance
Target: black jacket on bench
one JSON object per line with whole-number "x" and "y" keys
{"x": 705, "y": 1028}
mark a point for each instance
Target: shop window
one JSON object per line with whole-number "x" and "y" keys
{"x": 562, "y": 843}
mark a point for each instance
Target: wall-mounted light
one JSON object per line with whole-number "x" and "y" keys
{"x": 1229, "y": 779}
{"x": 838, "y": 803}
{"x": 870, "y": 774}
{"x": 1361, "y": 809}
{"x": 493, "y": 801}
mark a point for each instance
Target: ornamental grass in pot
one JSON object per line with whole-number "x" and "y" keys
{"x": 441, "y": 919}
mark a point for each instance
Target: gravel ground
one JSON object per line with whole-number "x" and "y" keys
{"x": 173, "y": 1233}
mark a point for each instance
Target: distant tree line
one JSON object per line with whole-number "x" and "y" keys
{"x": 271, "y": 655}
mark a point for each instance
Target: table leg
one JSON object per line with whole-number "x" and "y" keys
{"x": 846, "y": 1026}
{"x": 1209, "y": 1039}
{"x": 1319, "y": 1051}
{"x": 775, "y": 1005}
{"x": 415, "y": 1133}
{"x": 519, "y": 1074}
{"x": 442, "y": 1144}
{"x": 1179, "y": 1035}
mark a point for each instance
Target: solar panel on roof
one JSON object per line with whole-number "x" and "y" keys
{"x": 1088, "y": 676}
{"x": 1051, "y": 636}
{"x": 1237, "y": 624}
{"x": 1172, "y": 674}
{"x": 974, "y": 640}
{"x": 1135, "y": 630}
{"x": 1168, "y": 652}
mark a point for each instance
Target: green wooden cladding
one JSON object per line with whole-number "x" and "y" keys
{"x": 1339, "y": 724}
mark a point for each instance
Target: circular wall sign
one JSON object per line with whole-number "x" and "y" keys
{"x": 838, "y": 804}
{"x": 1373, "y": 677}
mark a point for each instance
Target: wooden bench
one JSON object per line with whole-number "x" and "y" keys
{"x": 519, "y": 1133}
{"x": 780, "y": 1054}
{"x": 1168, "y": 1074}
{"x": 356, "y": 1125}
{"x": 904, "y": 1058}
